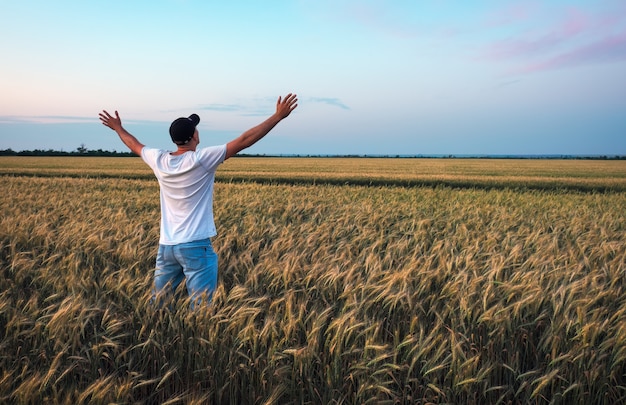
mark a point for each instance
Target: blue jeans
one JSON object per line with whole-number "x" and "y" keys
{"x": 196, "y": 261}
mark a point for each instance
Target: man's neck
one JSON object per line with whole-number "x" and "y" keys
{"x": 184, "y": 148}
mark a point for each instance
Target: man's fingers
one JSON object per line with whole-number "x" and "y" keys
{"x": 108, "y": 120}
{"x": 292, "y": 101}
{"x": 289, "y": 99}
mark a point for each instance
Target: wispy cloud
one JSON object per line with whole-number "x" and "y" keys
{"x": 252, "y": 108}
{"x": 538, "y": 44}
{"x": 329, "y": 101}
{"x": 507, "y": 83}
{"x": 572, "y": 37}
{"x": 45, "y": 119}
{"x": 604, "y": 50}
{"x": 222, "y": 107}
{"x": 264, "y": 106}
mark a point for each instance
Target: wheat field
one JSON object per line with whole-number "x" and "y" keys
{"x": 329, "y": 293}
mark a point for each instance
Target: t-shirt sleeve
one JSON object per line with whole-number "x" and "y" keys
{"x": 212, "y": 157}
{"x": 149, "y": 156}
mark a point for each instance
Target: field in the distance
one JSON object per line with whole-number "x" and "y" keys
{"x": 483, "y": 282}
{"x": 586, "y": 175}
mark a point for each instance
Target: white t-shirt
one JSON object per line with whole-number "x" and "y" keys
{"x": 186, "y": 189}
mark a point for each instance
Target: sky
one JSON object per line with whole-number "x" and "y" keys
{"x": 383, "y": 77}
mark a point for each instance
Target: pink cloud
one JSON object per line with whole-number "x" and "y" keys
{"x": 575, "y": 37}
{"x": 605, "y": 50}
{"x": 574, "y": 23}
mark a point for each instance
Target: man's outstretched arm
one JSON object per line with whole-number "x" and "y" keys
{"x": 115, "y": 123}
{"x": 284, "y": 107}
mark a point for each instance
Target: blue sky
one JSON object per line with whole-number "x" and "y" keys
{"x": 372, "y": 76}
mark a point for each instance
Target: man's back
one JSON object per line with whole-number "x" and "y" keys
{"x": 186, "y": 192}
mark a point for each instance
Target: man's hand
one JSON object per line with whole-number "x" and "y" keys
{"x": 286, "y": 106}
{"x": 115, "y": 123}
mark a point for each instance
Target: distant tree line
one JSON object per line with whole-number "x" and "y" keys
{"x": 83, "y": 151}
{"x": 80, "y": 151}
{"x": 547, "y": 157}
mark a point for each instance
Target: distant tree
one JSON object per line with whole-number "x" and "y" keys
{"x": 82, "y": 149}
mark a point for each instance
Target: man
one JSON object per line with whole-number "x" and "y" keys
{"x": 186, "y": 179}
